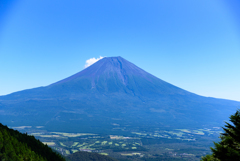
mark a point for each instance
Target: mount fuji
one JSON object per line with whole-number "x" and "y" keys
{"x": 109, "y": 92}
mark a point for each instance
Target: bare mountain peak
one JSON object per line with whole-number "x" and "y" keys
{"x": 114, "y": 75}
{"x": 109, "y": 68}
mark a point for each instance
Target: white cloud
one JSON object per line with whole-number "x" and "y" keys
{"x": 92, "y": 61}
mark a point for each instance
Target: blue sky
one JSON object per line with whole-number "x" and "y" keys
{"x": 194, "y": 45}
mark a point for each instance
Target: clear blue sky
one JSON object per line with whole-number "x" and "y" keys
{"x": 193, "y": 44}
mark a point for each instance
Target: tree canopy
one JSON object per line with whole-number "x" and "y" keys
{"x": 229, "y": 146}
{"x": 15, "y": 146}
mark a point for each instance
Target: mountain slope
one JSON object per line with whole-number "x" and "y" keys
{"x": 110, "y": 91}
{"x": 17, "y": 146}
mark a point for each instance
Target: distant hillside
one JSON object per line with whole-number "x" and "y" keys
{"x": 86, "y": 156}
{"x": 15, "y": 146}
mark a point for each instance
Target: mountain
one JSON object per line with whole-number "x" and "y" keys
{"x": 113, "y": 75}
{"x": 112, "y": 91}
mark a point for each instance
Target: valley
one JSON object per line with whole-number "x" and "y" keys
{"x": 181, "y": 144}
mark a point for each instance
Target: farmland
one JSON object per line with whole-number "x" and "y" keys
{"x": 138, "y": 144}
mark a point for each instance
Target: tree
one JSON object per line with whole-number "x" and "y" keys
{"x": 228, "y": 149}
{"x": 15, "y": 146}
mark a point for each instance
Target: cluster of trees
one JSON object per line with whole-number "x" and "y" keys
{"x": 12, "y": 149}
{"x": 15, "y": 146}
{"x": 228, "y": 149}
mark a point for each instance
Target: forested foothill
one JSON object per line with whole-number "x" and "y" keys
{"x": 15, "y": 146}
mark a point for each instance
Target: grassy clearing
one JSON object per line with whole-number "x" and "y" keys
{"x": 49, "y": 143}
{"x": 49, "y": 136}
{"x": 128, "y": 154}
{"x": 75, "y": 143}
{"x": 118, "y": 137}
{"x": 74, "y": 150}
{"x": 86, "y": 147}
{"x": 21, "y": 127}
{"x": 136, "y": 153}
{"x": 104, "y": 142}
{"x": 103, "y": 153}
{"x": 62, "y": 144}
{"x": 81, "y": 145}
{"x": 67, "y": 152}
{"x": 91, "y": 144}
{"x": 72, "y": 134}
{"x": 184, "y": 130}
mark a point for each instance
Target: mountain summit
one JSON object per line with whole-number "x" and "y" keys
{"x": 108, "y": 76}
{"x": 114, "y": 75}
{"x": 113, "y": 90}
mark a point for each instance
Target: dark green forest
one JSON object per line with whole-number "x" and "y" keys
{"x": 15, "y": 146}
{"x": 229, "y": 146}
